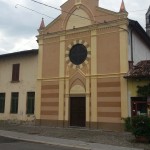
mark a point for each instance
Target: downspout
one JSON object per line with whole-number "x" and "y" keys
{"x": 130, "y": 67}
{"x": 132, "y": 45}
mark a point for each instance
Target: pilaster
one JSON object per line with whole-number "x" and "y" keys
{"x": 61, "y": 81}
{"x": 123, "y": 70}
{"x": 93, "y": 79}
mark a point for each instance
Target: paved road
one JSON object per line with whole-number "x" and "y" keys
{"x": 7, "y": 144}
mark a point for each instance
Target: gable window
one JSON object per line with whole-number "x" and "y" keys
{"x": 14, "y": 103}
{"x": 2, "y": 102}
{"x": 15, "y": 72}
{"x": 30, "y": 102}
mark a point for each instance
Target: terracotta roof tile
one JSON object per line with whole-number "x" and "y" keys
{"x": 141, "y": 70}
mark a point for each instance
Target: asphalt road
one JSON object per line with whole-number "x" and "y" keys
{"x": 7, "y": 144}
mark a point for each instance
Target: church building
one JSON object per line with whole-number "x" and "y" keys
{"x": 83, "y": 57}
{"x": 85, "y": 73}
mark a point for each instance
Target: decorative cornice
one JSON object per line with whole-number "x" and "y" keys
{"x": 89, "y": 28}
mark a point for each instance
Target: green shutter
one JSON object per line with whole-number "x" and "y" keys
{"x": 14, "y": 103}
{"x": 30, "y": 102}
{"x": 2, "y": 102}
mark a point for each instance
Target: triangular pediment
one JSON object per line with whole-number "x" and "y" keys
{"x": 80, "y": 13}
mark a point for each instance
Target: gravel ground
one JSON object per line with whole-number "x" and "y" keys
{"x": 124, "y": 139}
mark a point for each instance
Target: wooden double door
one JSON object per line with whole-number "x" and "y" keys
{"x": 78, "y": 111}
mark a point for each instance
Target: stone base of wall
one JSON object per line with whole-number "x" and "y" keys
{"x": 18, "y": 122}
{"x": 111, "y": 126}
{"x": 89, "y": 125}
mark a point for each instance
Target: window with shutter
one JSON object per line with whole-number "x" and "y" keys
{"x": 2, "y": 102}
{"x": 15, "y": 72}
{"x": 30, "y": 102}
{"x": 14, "y": 103}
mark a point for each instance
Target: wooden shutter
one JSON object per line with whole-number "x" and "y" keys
{"x": 15, "y": 72}
{"x": 14, "y": 103}
{"x": 2, "y": 102}
{"x": 30, "y": 102}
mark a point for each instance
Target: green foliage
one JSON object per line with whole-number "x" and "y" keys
{"x": 143, "y": 90}
{"x": 128, "y": 124}
{"x": 138, "y": 125}
{"x": 141, "y": 126}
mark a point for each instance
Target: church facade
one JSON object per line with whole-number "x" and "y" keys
{"x": 83, "y": 57}
{"x": 85, "y": 74}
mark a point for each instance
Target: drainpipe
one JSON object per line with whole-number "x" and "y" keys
{"x": 130, "y": 67}
{"x": 132, "y": 45}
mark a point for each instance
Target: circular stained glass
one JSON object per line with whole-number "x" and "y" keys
{"x": 78, "y": 54}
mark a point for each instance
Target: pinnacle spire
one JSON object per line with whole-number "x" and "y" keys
{"x": 148, "y": 9}
{"x": 42, "y": 26}
{"x": 122, "y": 7}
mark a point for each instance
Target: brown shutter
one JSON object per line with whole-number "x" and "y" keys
{"x": 15, "y": 72}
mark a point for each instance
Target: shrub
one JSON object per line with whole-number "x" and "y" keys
{"x": 128, "y": 124}
{"x": 139, "y": 126}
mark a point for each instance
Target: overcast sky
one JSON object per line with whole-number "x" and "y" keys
{"x": 18, "y": 26}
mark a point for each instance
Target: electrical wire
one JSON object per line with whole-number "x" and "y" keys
{"x": 61, "y": 10}
{"x": 16, "y": 6}
{"x": 64, "y": 12}
{"x": 75, "y": 14}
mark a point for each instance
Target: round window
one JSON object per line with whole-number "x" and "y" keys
{"x": 78, "y": 54}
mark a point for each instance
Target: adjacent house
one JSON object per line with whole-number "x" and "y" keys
{"x": 138, "y": 77}
{"x": 18, "y": 75}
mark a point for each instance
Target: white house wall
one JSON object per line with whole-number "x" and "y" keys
{"x": 140, "y": 49}
{"x": 27, "y": 77}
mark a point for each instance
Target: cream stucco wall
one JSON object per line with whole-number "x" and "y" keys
{"x": 27, "y": 77}
{"x": 75, "y": 21}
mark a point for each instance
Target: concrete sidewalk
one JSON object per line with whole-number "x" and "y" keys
{"x": 61, "y": 142}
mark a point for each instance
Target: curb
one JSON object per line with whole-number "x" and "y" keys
{"x": 61, "y": 142}
{"x": 49, "y": 143}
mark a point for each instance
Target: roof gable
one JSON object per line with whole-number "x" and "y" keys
{"x": 135, "y": 26}
{"x": 20, "y": 53}
{"x": 88, "y": 11}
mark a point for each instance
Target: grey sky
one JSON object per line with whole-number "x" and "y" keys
{"x": 18, "y": 26}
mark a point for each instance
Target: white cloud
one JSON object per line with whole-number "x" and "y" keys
{"x": 25, "y": 44}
